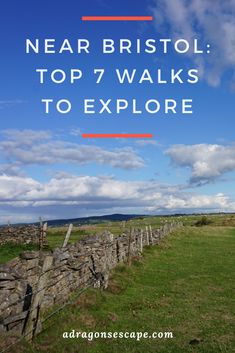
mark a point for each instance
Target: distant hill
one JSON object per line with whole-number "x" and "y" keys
{"x": 92, "y": 219}
{"x": 85, "y": 220}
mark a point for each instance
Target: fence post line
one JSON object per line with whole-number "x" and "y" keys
{"x": 67, "y": 236}
{"x": 34, "y": 314}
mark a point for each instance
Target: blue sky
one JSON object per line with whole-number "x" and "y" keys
{"x": 48, "y": 170}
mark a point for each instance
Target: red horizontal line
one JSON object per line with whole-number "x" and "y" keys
{"x": 117, "y": 18}
{"x": 117, "y": 136}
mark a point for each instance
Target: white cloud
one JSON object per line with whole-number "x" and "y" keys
{"x": 143, "y": 143}
{"x": 76, "y": 132}
{"x": 74, "y": 196}
{"x": 188, "y": 202}
{"x": 11, "y": 169}
{"x": 39, "y": 147}
{"x": 16, "y": 187}
{"x": 26, "y": 136}
{"x": 207, "y": 162}
{"x": 9, "y": 103}
{"x": 211, "y": 21}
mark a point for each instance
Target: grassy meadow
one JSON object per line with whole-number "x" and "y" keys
{"x": 184, "y": 285}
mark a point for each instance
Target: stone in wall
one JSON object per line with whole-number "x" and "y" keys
{"x": 27, "y": 234}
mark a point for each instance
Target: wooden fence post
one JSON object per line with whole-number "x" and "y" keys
{"x": 151, "y": 234}
{"x": 32, "y": 323}
{"x": 40, "y": 233}
{"x": 147, "y": 234}
{"x": 129, "y": 247}
{"x": 44, "y": 232}
{"x": 66, "y": 239}
{"x": 141, "y": 240}
{"x": 9, "y": 226}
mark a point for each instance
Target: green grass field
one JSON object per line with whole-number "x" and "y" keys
{"x": 184, "y": 285}
{"x": 10, "y": 251}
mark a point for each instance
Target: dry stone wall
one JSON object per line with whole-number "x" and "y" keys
{"x": 19, "y": 234}
{"x": 73, "y": 267}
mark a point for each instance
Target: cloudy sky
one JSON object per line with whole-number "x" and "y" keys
{"x": 47, "y": 169}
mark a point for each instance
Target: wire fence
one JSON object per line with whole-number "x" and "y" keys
{"x": 70, "y": 302}
{"x": 22, "y": 299}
